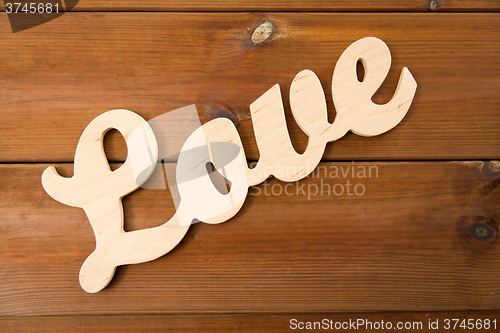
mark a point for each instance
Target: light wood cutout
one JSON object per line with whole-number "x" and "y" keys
{"x": 98, "y": 190}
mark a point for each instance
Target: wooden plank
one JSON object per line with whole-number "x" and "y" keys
{"x": 283, "y": 5}
{"x": 56, "y": 78}
{"x": 250, "y": 323}
{"x": 422, "y": 237}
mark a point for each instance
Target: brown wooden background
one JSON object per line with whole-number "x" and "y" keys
{"x": 422, "y": 243}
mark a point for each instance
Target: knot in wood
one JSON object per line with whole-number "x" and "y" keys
{"x": 262, "y": 32}
{"x": 433, "y": 5}
{"x": 479, "y": 228}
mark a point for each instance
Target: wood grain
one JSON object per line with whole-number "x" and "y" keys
{"x": 283, "y": 5}
{"x": 57, "y": 77}
{"x": 232, "y": 323}
{"x": 423, "y": 237}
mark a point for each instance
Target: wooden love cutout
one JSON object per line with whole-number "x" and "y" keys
{"x": 98, "y": 190}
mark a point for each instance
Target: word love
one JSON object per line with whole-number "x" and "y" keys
{"x": 98, "y": 190}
